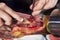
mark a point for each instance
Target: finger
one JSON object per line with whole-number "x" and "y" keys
{"x": 36, "y": 13}
{"x": 24, "y": 15}
{"x": 5, "y": 17}
{"x": 55, "y": 12}
{"x": 47, "y": 1}
{"x": 34, "y": 5}
{"x": 1, "y": 22}
{"x": 27, "y": 16}
{"x": 50, "y": 4}
{"x": 40, "y": 5}
{"x": 10, "y": 12}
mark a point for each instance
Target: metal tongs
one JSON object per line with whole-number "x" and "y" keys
{"x": 32, "y": 9}
{"x": 40, "y": 14}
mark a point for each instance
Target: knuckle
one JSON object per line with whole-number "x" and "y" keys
{"x": 10, "y": 19}
{"x": 2, "y": 5}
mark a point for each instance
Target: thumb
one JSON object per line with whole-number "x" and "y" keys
{"x": 34, "y": 5}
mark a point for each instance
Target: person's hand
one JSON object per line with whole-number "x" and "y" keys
{"x": 7, "y": 14}
{"x": 43, "y": 4}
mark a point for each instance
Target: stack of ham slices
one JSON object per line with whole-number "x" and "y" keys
{"x": 28, "y": 27}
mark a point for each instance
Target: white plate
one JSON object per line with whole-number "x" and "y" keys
{"x": 31, "y": 37}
